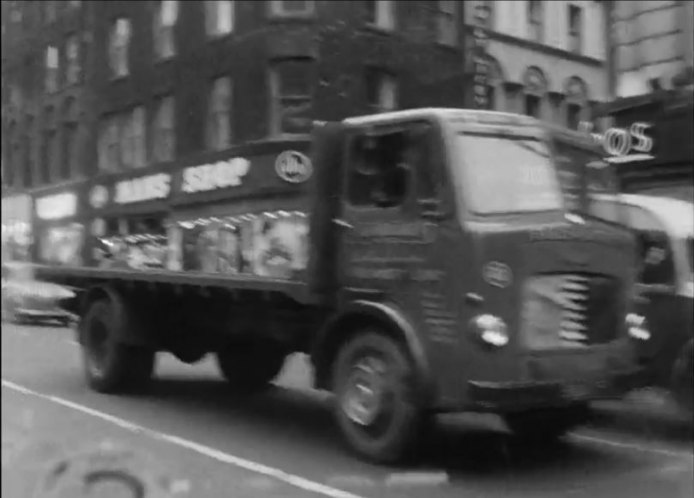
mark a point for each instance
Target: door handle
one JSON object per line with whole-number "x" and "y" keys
{"x": 342, "y": 223}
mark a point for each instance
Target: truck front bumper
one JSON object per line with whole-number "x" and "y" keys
{"x": 507, "y": 397}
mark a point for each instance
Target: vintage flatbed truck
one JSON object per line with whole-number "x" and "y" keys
{"x": 424, "y": 259}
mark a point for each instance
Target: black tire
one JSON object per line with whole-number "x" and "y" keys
{"x": 393, "y": 431}
{"x": 546, "y": 425}
{"x": 249, "y": 368}
{"x": 110, "y": 365}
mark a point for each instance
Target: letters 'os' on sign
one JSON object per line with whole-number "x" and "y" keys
{"x": 223, "y": 174}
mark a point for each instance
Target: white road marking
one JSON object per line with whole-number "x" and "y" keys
{"x": 631, "y": 446}
{"x": 220, "y": 456}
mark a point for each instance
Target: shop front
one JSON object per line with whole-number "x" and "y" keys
{"x": 17, "y": 233}
{"x": 651, "y": 142}
{"x": 59, "y": 228}
{"x": 238, "y": 212}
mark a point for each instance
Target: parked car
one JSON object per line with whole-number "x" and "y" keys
{"x": 664, "y": 227}
{"x": 26, "y": 300}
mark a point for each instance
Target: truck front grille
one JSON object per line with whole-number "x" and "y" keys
{"x": 569, "y": 311}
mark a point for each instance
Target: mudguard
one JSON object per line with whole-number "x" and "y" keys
{"x": 387, "y": 315}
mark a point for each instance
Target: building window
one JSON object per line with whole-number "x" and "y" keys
{"x": 119, "y": 46}
{"x": 28, "y": 153}
{"x": 10, "y": 151}
{"x": 381, "y": 13}
{"x": 72, "y": 60}
{"x": 573, "y": 116}
{"x": 535, "y": 20}
{"x": 70, "y": 141}
{"x": 292, "y": 7}
{"x": 109, "y": 144}
{"x": 165, "y": 18}
{"x": 576, "y": 92}
{"x": 52, "y": 68}
{"x": 50, "y": 149}
{"x": 218, "y": 134}
{"x": 535, "y": 91}
{"x": 575, "y": 29}
{"x": 164, "y": 131}
{"x": 447, "y": 22}
{"x": 532, "y": 105}
{"x": 133, "y": 141}
{"x": 291, "y": 87}
{"x": 381, "y": 90}
{"x": 219, "y": 17}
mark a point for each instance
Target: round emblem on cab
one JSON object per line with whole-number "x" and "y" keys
{"x": 293, "y": 167}
{"x": 497, "y": 274}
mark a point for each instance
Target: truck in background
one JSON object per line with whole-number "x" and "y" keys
{"x": 424, "y": 259}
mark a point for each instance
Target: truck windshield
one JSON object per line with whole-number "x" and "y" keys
{"x": 507, "y": 174}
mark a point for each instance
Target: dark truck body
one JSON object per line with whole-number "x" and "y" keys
{"x": 473, "y": 311}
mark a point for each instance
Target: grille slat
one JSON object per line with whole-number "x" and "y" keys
{"x": 581, "y": 310}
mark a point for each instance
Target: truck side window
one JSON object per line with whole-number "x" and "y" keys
{"x": 378, "y": 175}
{"x": 417, "y": 155}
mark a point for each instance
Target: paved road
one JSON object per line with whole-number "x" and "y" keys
{"x": 191, "y": 436}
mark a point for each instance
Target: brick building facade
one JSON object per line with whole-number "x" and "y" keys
{"x": 120, "y": 87}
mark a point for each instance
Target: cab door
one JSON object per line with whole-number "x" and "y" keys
{"x": 399, "y": 236}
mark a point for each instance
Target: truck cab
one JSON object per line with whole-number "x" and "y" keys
{"x": 451, "y": 226}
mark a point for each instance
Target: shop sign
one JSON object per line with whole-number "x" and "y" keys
{"x": 293, "y": 167}
{"x": 58, "y": 206}
{"x": 223, "y": 174}
{"x": 622, "y": 142}
{"x": 481, "y": 66}
{"x": 146, "y": 188}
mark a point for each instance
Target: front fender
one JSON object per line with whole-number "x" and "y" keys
{"x": 393, "y": 320}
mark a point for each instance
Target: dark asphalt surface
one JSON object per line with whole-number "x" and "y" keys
{"x": 205, "y": 443}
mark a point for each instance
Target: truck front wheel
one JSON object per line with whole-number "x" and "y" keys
{"x": 546, "y": 425}
{"x": 110, "y": 365}
{"x": 249, "y": 368}
{"x": 375, "y": 407}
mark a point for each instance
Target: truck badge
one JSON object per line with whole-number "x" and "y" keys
{"x": 497, "y": 274}
{"x": 293, "y": 167}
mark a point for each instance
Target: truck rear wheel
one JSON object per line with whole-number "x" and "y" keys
{"x": 546, "y": 425}
{"x": 249, "y": 368}
{"x": 110, "y": 365}
{"x": 375, "y": 408}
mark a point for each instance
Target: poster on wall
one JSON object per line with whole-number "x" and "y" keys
{"x": 62, "y": 245}
{"x": 280, "y": 245}
{"x": 273, "y": 245}
{"x": 17, "y": 234}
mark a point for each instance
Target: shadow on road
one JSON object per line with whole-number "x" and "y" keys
{"x": 301, "y": 418}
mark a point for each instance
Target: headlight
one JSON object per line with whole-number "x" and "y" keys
{"x": 490, "y": 329}
{"x": 638, "y": 327}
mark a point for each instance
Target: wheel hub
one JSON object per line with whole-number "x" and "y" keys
{"x": 364, "y": 395}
